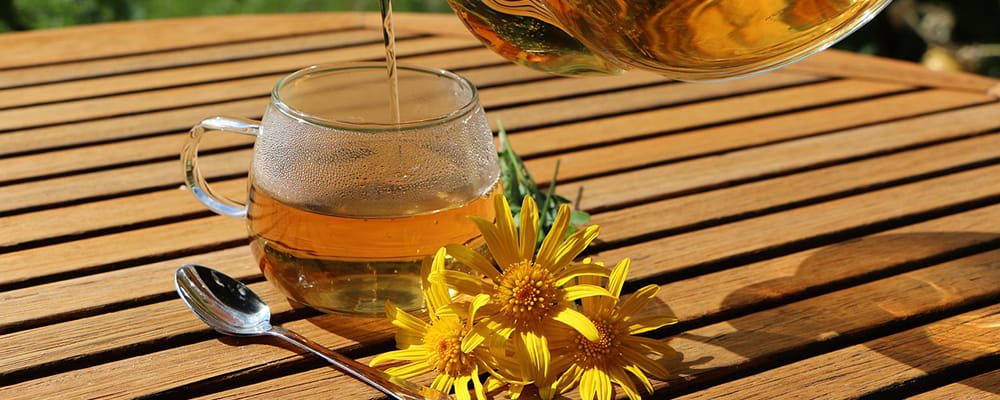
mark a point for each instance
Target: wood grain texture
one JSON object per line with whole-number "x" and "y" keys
{"x": 723, "y": 349}
{"x": 719, "y": 170}
{"x": 106, "y": 250}
{"x": 755, "y": 132}
{"x": 691, "y": 210}
{"x": 720, "y": 349}
{"x": 158, "y": 70}
{"x": 821, "y": 269}
{"x": 688, "y": 250}
{"x": 64, "y": 44}
{"x": 825, "y": 230}
{"x": 841, "y": 63}
{"x": 261, "y": 75}
{"x": 877, "y": 365}
{"x": 984, "y": 386}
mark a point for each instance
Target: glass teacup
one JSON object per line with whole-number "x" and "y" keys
{"x": 344, "y": 201}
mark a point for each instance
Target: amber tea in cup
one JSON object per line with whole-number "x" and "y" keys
{"x": 344, "y": 201}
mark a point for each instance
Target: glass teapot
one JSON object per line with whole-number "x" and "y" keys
{"x": 693, "y": 40}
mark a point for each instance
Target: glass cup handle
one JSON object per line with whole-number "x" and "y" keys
{"x": 193, "y": 178}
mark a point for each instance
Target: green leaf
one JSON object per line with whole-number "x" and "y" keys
{"x": 518, "y": 182}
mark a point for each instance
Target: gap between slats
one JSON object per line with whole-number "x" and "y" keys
{"x": 199, "y": 335}
{"x": 785, "y": 356}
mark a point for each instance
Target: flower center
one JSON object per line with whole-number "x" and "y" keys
{"x": 590, "y": 353}
{"x": 444, "y": 348}
{"x": 526, "y": 293}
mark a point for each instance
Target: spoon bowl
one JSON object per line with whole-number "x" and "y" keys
{"x": 231, "y": 308}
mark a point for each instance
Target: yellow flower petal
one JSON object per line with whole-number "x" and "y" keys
{"x": 641, "y": 376}
{"x": 637, "y": 301}
{"x": 650, "y": 346}
{"x": 477, "y": 385}
{"x": 410, "y": 370}
{"x": 474, "y": 260}
{"x": 435, "y": 296}
{"x": 536, "y": 353}
{"x": 577, "y": 292}
{"x": 406, "y": 338}
{"x": 482, "y": 330}
{"x": 588, "y": 384}
{"x": 602, "y": 384}
{"x": 617, "y": 278}
{"x": 462, "y": 388}
{"x": 573, "y": 246}
{"x": 460, "y": 281}
{"x": 478, "y": 302}
{"x": 502, "y": 248}
{"x": 579, "y": 322}
{"x": 410, "y": 354}
{"x": 625, "y": 382}
{"x": 553, "y": 240}
{"x": 650, "y": 366}
{"x": 404, "y": 320}
{"x": 505, "y": 225}
{"x": 494, "y": 384}
{"x": 646, "y": 324}
{"x": 575, "y": 271}
{"x": 568, "y": 379}
{"x": 443, "y": 383}
{"x": 529, "y": 228}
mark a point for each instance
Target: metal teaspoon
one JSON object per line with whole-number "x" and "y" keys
{"x": 231, "y": 308}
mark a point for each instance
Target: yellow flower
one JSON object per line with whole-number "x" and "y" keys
{"x": 529, "y": 296}
{"x": 595, "y": 365}
{"x": 437, "y": 346}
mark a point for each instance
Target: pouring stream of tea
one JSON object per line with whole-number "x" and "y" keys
{"x": 389, "y": 39}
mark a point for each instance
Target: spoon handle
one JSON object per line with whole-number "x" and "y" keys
{"x": 393, "y": 387}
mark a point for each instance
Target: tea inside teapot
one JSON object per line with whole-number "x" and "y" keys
{"x": 681, "y": 39}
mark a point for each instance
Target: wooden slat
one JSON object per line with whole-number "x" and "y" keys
{"x": 690, "y": 210}
{"x": 96, "y": 291}
{"x": 277, "y": 66}
{"x": 108, "y": 331}
{"x": 877, "y": 365}
{"x": 107, "y": 214}
{"x": 109, "y": 182}
{"x": 765, "y": 334}
{"x": 155, "y": 174}
{"x": 618, "y": 225}
{"x": 63, "y": 45}
{"x": 162, "y": 370}
{"x": 689, "y": 299}
{"x": 55, "y": 162}
{"x": 575, "y": 165}
{"x": 687, "y": 116}
{"x": 683, "y": 211}
{"x": 786, "y": 330}
{"x": 982, "y": 386}
{"x": 114, "y": 248}
{"x": 778, "y": 279}
{"x": 204, "y": 72}
{"x": 160, "y": 70}
{"x": 117, "y": 128}
{"x": 645, "y": 184}
{"x": 731, "y": 344}
{"x": 609, "y": 104}
{"x": 859, "y": 66}
{"x": 206, "y": 47}
{"x": 684, "y": 251}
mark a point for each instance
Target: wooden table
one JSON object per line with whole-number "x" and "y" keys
{"x": 826, "y": 230}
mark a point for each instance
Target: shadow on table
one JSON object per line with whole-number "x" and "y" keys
{"x": 857, "y": 309}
